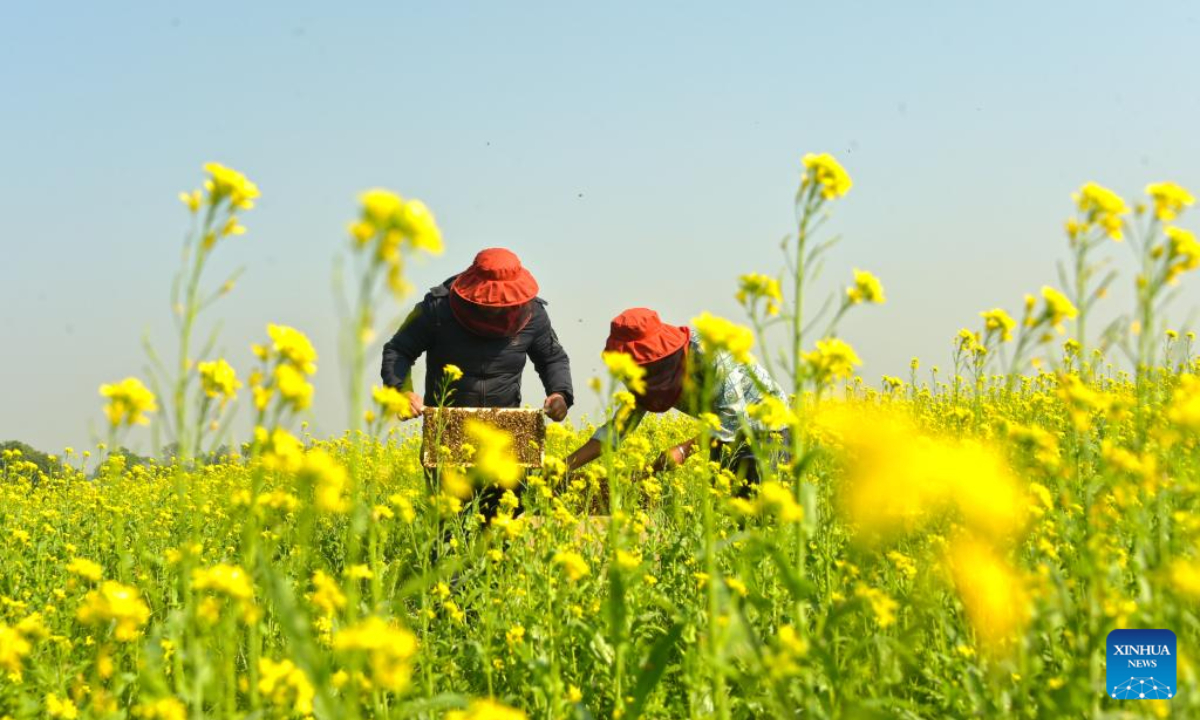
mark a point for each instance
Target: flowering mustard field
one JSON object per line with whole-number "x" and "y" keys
{"x": 958, "y": 542}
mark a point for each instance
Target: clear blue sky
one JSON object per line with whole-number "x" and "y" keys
{"x": 632, "y": 154}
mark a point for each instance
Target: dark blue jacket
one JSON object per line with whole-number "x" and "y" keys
{"x": 491, "y": 367}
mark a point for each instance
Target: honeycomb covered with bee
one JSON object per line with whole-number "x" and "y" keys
{"x": 444, "y": 427}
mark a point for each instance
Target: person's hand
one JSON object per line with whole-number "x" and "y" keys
{"x": 666, "y": 460}
{"x": 555, "y": 407}
{"x": 672, "y": 457}
{"x": 415, "y": 405}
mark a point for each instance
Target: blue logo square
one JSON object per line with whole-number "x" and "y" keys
{"x": 1141, "y": 665}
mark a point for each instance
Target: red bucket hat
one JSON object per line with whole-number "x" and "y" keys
{"x": 496, "y": 279}
{"x": 639, "y": 333}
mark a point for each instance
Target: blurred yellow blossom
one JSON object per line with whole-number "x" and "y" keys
{"x": 755, "y": 286}
{"x": 294, "y": 347}
{"x": 60, "y": 708}
{"x": 720, "y": 334}
{"x": 866, "y": 289}
{"x": 826, "y": 173}
{"x": 1169, "y": 199}
{"x": 328, "y": 478}
{"x": 286, "y": 686}
{"x": 572, "y": 564}
{"x": 392, "y": 402}
{"x": 128, "y": 402}
{"x": 228, "y": 184}
{"x": 326, "y": 595}
{"x": 85, "y": 568}
{"x": 881, "y": 605}
{"x": 167, "y": 708}
{"x": 992, "y": 592}
{"x": 623, "y": 369}
{"x": 486, "y": 710}
{"x": 118, "y": 603}
{"x": 1102, "y": 207}
{"x": 833, "y": 359}
{"x": 494, "y": 456}
{"x": 218, "y": 380}
{"x": 388, "y": 647}
{"x": 997, "y": 321}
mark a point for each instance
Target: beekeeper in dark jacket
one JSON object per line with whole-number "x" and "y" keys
{"x": 487, "y": 321}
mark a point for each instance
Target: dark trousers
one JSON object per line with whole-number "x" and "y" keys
{"x": 739, "y": 459}
{"x": 487, "y": 498}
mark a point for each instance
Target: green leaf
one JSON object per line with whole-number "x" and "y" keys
{"x": 425, "y": 706}
{"x": 652, "y": 669}
{"x": 799, "y": 588}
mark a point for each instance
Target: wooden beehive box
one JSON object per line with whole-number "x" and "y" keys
{"x": 526, "y": 425}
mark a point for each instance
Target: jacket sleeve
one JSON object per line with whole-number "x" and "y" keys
{"x": 401, "y": 352}
{"x": 551, "y": 362}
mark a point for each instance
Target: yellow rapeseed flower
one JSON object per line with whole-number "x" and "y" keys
{"x": 60, "y": 708}
{"x": 628, "y": 560}
{"x": 392, "y": 402}
{"x": 228, "y": 580}
{"x": 486, "y": 710}
{"x": 898, "y": 478}
{"x": 388, "y": 647}
{"x": 572, "y": 564}
{"x": 827, "y": 173}
{"x": 293, "y": 346}
{"x": 1082, "y": 401}
{"x": 167, "y": 708}
{"x": 394, "y": 223}
{"x": 14, "y": 647}
{"x": 970, "y": 342}
{"x": 833, "y": 359}
{"x": 515, "y": 635}
{"x": 904, "y": 564}
{"x": 328, "y": 478}
{"x": 754, "y": 286}
{"x": 773, "y": 413}
{"x": 1169, "y": 199}
{"x": 422, "y": 229}
{"x": 380, "y": 206}
{"x": 991, "y": 590}
{"x": 227, "y": 183}
{"x": 218, "y": 380}
{"x": 719, "y": 334}
{"x": 326, "y": 596}
{"x": 294, "y": 389}
{"x": 286, "y": 686}
{"x": 997, "y": 321}
{"x": 118, "y": 603}
{"x": 881, "y": 604}
{"x": 1184, "y": 409}
{"x": 85, "y": 568}
{"x": 623, "y": 369}
{"x": 494, "y": 458}
{"x": 128, "y": 402}
{"x": 232, "y": 227}
{"x": 279, "y": 449}
{"x": 191, "y": 199}
{"x": 777, "y": 499}
{"x": 1057, "y": 308}
{"x": 1101, "y": 206}
{"x": 866, "y": 289}
{"x": 1185, "y": 576}
{"x": 1183, "y": 252}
